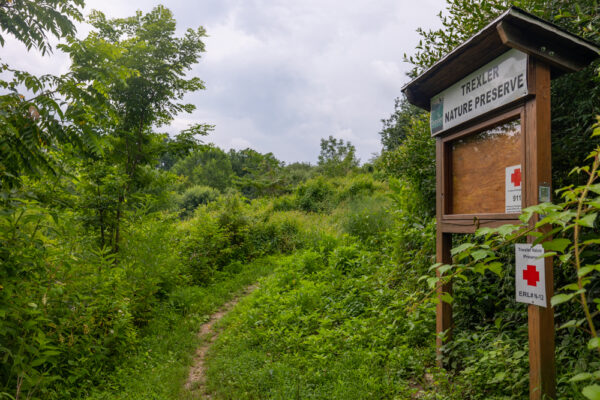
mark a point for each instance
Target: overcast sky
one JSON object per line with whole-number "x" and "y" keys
{"x": 282, "y": 74}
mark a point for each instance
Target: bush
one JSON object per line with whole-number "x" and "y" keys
{"x": 311, "y": 261}
{"x": 195, "y": 196}
{"x": 203, "y": 247}
{"x": 313, "y": 196}
{"x": 359, "y": 186}
{"x": 367, "y": 218}
{"x": 284, "y": 203}
{"x": 183, "y": 299}
{"x": 349, "y": 260}
{"x": 71, "y": 311}
{"x": 414, "y": 162}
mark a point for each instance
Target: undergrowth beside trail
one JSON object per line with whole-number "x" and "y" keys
{"x": 160, "y": 366}
{"x": 349, "y": 317}
{"x": 325, "y": 326}
{"x": 332, "y": 321}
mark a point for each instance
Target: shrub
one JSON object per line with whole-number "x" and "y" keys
{"x": 313, "y": 196}
{"x": 367, "y": 218}
{"x": 284, "y": 203}
{"x": 183, "y": 299}
{"x": 337, "y": 157}
{"x": 359, "y": 186}
{"x": 349, "y": 260}
{"x": 203, "y": 247}
{"x": 311, "y": 261}
{"x": 195, "y": 196}
{"x": 414, "y": 161}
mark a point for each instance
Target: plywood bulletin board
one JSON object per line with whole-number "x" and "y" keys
{"x": 479, "y": 164}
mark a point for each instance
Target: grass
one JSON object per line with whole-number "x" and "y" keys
{"x": 160, "y": 366}
{"x": 334, "y": 331}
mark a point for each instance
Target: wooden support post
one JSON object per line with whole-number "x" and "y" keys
{"x": 443, "y": 321}
{"x": 542, "y": 378}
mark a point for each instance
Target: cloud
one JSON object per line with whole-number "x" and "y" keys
{"x": 282, "y": 74}
{"x": 305, "y": 70}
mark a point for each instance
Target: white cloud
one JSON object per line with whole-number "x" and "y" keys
{"x": 282, "y": 74}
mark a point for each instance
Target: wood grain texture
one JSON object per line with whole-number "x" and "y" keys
{"x": 443, "y": 321}
{"x": 554, "y": 53}
{"x": 478, "y": 169}
{"x": 538, "y": 170}
{"x": 470, "y": 226}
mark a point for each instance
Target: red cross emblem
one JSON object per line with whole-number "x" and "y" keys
{"x": 531, "y": 275}
{"x": 515, "y": 177}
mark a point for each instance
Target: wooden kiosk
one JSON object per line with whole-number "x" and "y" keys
{"x": 490, "y": 114}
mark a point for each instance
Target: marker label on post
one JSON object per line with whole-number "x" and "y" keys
{"x": 530, "y": 278}
{"x": 513, "y": 189}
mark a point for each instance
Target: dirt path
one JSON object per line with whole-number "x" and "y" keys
{"x": 196, "y": 381}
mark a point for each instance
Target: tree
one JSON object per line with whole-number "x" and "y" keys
{"x": 296, "y": 173}
{"x": 31, "y": 21}
{"x": 182, "y": 145}
{"x": 31, "y": 118}
{"x": 149, "y": 96}
{"x": 207, "y": 166}
{"x": 463, "y": 19}
{"x": 396, "y": 127}
{"x": 256, "y": 174}
{"x": 337, "y": 157}
{"x": 414, "y": 162}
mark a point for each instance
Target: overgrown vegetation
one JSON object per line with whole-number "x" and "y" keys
{"x": 117, "y": 241}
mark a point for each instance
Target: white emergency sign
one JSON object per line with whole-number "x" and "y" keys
{"x": 530, "y": 278}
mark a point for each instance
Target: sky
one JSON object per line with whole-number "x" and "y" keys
{"x": 282, "y": 74}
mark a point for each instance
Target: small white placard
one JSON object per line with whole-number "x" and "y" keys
{"x": 513, "y": 190}
{"x": 530, "y": 278}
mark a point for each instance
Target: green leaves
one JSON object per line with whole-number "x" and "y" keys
{"x": 594, "y": 343}
{"x": 461, "y": 248}
{"x": 442, "y": 269}
{"x": 592, "y": 392}
{"x": 582, "y": 376}
{"x": 447, "y": 298}
{"x": 588, "y": 220}
{"x": 561, "y": 298}
{"x": 497, "y": 268}
{"x": 337, "y": 157}
{"x": 540, "y": 209}
{"x": 559, "y": 244}
{"x": 30, "y": 21}
{"x": 585, "y": 270}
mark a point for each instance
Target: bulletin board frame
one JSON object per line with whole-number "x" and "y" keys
{"x": 468, "y": 223}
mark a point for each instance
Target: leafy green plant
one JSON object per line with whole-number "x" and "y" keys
{"x": 337, "y": 157}
{"x": 195, "y": 196}
{"x": 367, "y": 218}
{"x": 567, "y": 231}
{"x": 361, "y": 185}
{"x": 414, "y": 162}
{"x": 313, "y": 196}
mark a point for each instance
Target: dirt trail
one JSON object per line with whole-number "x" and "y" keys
{"x": 196, "y": 381}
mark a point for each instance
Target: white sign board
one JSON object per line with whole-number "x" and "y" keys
{"x": 530, "y": 278}
{"x": 512, "y": 187}
{"x": 495, "y": 84}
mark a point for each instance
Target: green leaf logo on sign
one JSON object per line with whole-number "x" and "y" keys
{"x": 437, "y": 115}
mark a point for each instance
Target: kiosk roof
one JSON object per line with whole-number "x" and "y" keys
{"x": 516, "y": 29}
